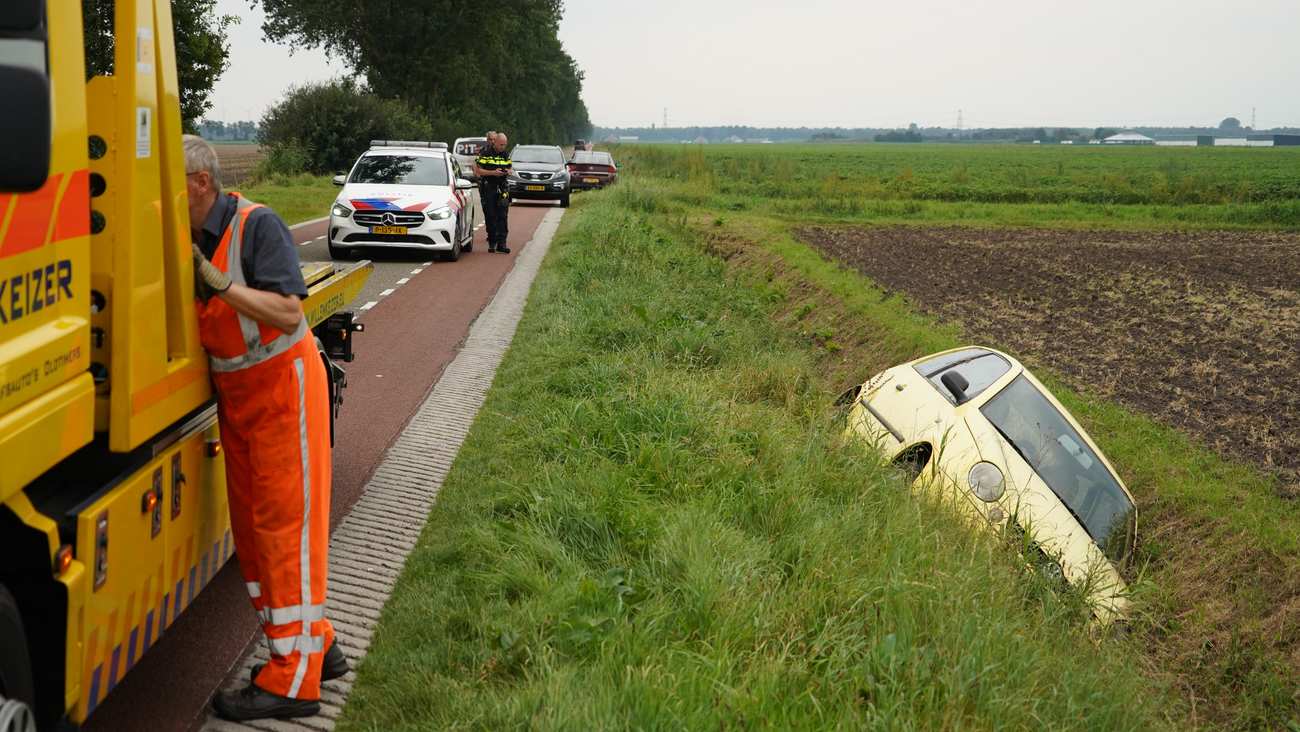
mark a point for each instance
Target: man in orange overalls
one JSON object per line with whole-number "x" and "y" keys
{"x": 273, "y": 409}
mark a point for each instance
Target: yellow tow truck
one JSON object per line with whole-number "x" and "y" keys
{"x": 112, "y": 496}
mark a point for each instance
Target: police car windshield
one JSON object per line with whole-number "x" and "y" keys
{"x": 526, "y": 154}
{"x": 407, "y": 170}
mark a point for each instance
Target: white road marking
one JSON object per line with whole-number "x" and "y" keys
{"x": 320, "y": 238}
{"x": 369, "y": 305}
{"x": 404, "y": 280}
{"x": 417, "y": 271}
{"x": 301, "y": 224}
{"x": 386, "y": 293}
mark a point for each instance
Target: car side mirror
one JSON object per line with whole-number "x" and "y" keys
{"x": 464, "y": 185}
{"x": 340, "y": 180}
{"x": 25, "y": 127}
{"x": 957, "y": 385}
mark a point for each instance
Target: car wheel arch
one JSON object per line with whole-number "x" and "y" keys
{"x": 914, "y": 458}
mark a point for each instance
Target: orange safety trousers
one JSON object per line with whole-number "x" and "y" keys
{"x": 273, "y": 410}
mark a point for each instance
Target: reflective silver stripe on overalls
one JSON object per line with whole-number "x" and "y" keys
{"x": 256, "y": 352}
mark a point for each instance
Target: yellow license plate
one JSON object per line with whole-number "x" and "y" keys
{"x": 591, "y": 180}
{"x": 534, "y": 188}
{"x": 388, "y": 230}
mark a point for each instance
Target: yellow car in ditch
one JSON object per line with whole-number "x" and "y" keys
{"x": 975, "y": 425}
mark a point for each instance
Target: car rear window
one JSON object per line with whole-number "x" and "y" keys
{"x": 585, "y": 157}
{"x": 980, "y": 368}
{"x": 1062, "y": 458}
{"x": 408, "y": 170}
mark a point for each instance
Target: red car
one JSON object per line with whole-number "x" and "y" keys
{"x": 592, "y": 170}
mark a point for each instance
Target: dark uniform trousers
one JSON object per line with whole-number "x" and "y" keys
{"x": 496, "y": 210}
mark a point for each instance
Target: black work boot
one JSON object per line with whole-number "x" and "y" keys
{"x": 254, "y": 702}
{"x": 503, "y": 248}
{"x": 334, "y": 666}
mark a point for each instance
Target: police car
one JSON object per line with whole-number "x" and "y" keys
{"x": 403, "y": 194}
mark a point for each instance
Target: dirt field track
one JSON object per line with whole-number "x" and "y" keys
{"x": 1200, "y": 331}
{"x": 237, "y": 162}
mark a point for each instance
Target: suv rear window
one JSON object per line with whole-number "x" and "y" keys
{"x": 407, "y": 170}
{"x": 470, "y": 148}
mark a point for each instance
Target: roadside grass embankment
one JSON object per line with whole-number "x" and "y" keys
{"x": 1217, "y": 572}
{"x": 296, "y": 198}
{"x": 655, "y": 524}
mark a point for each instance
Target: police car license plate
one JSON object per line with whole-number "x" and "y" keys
{"x": 591, "y": 180}
{"x": 388, "y": 230}
{"x": 534, "y": 188}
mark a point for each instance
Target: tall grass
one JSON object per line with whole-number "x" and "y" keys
{"x": 655, "y": 524}
{"x": 296, "y": 198}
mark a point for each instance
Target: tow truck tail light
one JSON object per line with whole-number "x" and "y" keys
{"x": 63, "y": 559}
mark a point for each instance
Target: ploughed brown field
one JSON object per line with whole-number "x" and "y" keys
{"x": 1199, "y": 330}
{"x": 238, "y": 160}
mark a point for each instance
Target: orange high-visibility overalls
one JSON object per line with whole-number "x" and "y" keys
{"x": 273, "y": 407}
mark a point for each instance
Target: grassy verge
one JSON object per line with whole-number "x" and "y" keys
{"x": 1218, "y": 581}
{"x": 1219, "y": 551}
{"x": 295, "y": 198}
{"x": 654, "y": 524}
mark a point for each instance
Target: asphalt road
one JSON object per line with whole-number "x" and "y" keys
{"x": 417, "y": 312}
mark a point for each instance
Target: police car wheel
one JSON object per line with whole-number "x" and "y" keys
{"x": 339, "y": 252}
{"x": 17, "y": 692}
{"x": 454, "y": 254}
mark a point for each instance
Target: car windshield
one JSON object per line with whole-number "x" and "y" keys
{"x": 409, "y": 170}
{"x": 537, "y": 155}
{"x": 1062, "y": 458}
{"x": 978, "y": 366}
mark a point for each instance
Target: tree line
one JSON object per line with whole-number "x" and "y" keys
{"x": 437, "y": 69}
{"x": 468, "y": 67}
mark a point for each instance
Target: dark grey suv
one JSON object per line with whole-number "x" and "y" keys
{"x": 538, "y": 172}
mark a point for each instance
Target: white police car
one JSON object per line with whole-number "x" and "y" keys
{"x": 406, "y": 195}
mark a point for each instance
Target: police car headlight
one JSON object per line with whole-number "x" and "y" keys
{"x": 341, "y": 211}
{"x": 986, "y": 482}
{"x": 440, "y": 214}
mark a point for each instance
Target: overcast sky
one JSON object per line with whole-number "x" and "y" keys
{"x": 871, "y": 64}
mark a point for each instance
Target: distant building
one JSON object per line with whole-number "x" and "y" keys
{"x": 1128, "y": 138}
{"x": 1286, "y": 140}
{"x": 628, "y": 138}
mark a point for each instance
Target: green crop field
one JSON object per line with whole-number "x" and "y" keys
{"x": 1019, "y": 185}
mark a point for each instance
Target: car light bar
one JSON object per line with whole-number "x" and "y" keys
{"x": 408, "y": 143}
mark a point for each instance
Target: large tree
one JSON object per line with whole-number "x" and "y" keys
{"x": 202, "y": 49}
{"x": 470, "y": 66}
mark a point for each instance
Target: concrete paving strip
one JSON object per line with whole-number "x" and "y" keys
{"x": 364, "y": 555}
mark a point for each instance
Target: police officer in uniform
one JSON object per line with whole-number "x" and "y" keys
{"x": 492, "y": 168}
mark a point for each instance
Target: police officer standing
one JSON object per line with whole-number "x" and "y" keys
{"x": 492, "y": 168}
